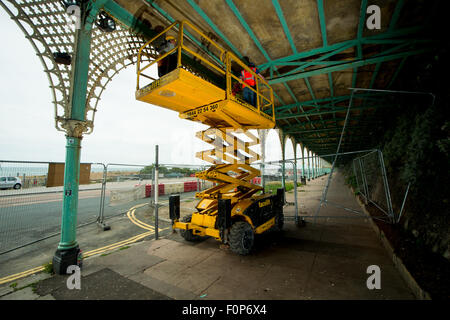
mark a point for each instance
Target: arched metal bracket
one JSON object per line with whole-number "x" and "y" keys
{"x": 45, "y": 24}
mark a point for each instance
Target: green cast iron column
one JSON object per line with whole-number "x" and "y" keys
{"x": 68, "y": 251}
{"x": 70, "y": 199}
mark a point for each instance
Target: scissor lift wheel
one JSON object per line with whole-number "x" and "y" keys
{"x": 241, "y": 238}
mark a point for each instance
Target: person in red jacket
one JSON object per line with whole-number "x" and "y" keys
{"x": 249, "y": 81}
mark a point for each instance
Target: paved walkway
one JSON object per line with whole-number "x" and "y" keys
{"x": 326, "y": 260}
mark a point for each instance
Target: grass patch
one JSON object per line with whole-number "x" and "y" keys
{"x": 33, "y": 285}
{"x": 105, "y": 254}
{"x": 273, "y": 186}
{"x": 48, "y": 268}
{"x": 123, "y": 248}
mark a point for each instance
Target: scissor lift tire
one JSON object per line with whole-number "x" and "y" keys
{"x": 279, "y": 222}
{"x": 242, "y": 238}
{"x": 187, "y": 234}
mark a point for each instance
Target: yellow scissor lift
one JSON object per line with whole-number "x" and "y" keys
{"x": 232, "y": 211}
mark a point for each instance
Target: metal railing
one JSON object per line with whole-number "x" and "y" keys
{"x": 217, "y": 59}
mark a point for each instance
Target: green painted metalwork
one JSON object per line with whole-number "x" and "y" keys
{"x": 161, "y": 11}
{"x": 362, "y": 19}
{"x": 285, "y": 112}
{"x": 337, "y": 99}
{"x": 280, "y": 15}
{"x": 238, "y": 15}
{"x": 187, "y": 34}
{"x": 396, "y": 14}
{"x": 199, "y": 10}
{"x": 334, "y": 137}
{"x": 247, "y": 28}
{"x": 337, "y": 129}
{"x": 374, "y": 75}
{"x": 387, "y": 36}
{"x": 401, "y": 44}
{"x": 124, "y": 16}
{"x": 319, "y": 60}
{"x": 323, "y": 26}
{"x": 398, "y": 46}
{"x": 329, "y": 121}
{"x": 81, "y": 68}
{"x": 317, "y": 113}
{"x": 357, "y": 130}
{"x": 224, "y": 38}
{"x": 311, "y": 92}
{"x": 397, "y": 71}
{"x": 348, "y": 65}
{"x": 70, "y": 198}
{"x": 77, "y": 112}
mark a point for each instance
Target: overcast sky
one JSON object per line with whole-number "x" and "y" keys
{"x": 126, "y": 131}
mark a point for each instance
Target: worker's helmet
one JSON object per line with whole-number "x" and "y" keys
{"x": 170, "y": 38}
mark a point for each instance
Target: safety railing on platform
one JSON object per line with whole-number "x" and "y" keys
{"x": 262, "y": 91}
{"x": 224, "y": 64}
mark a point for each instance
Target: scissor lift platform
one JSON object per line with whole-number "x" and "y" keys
{"x": 199, "y": 100}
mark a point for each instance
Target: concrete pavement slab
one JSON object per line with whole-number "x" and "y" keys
{"x": 23, "y": 294}
{"x": 189, "y": 255}
{"x": 169, "y": 290}
{"x": 105, "y": 284}
{"x": 126, "y": 261}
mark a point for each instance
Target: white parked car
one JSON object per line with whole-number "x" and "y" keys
{"x": 10, "y": 182}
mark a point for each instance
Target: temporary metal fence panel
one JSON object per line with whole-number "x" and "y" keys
{"x": 124, "y": 186}
{"x": 30, "y": 211}
{"x": 181, "y": 179}
{"x": 372, "y": 182}
{"x": 279, "y": 174}
{"x": 130, "y": 185}
{"x": 175, "y": 179}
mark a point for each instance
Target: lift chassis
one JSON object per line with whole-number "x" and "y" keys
{"x": 229, "y": 220}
